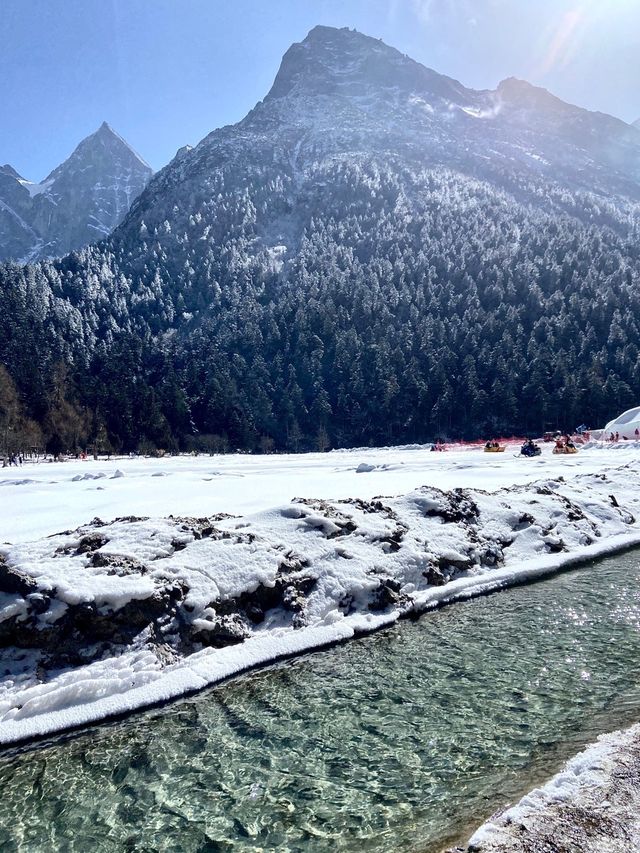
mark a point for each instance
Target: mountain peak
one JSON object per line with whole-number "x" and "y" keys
{"x": 514, "y": 88}
{"x": 104, "y": 146}
{"x": 324, "y": 33}
{"x": 79, "y": 202}
{"x": 106, "y": 129}
{"x": 521, "y": 93}
{"x": 331, "y": 61}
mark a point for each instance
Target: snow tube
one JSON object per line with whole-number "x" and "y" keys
{"x": 494, "y": 450}
{"x": 564, "y": 450}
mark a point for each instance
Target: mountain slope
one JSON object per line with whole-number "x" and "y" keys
{"x": 345, "y": 108}
{"x": 18, "y": 239}
{"x": 341, "y": 93}
{"x": 375, "y": 253}
{"x": 79, "y": 202}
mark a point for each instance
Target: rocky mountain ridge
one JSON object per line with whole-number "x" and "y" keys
{"x": 79, "y": 202}
{"x": 340, "y": 93}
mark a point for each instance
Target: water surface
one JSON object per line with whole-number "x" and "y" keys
{"x": 400, "y": 741}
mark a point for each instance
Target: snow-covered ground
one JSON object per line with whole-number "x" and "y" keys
{"x": 39, "y": 499}
{"x": 211, "y": 566}
{"x": 592, "y": 805}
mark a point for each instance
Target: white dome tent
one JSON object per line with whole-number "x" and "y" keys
{"x": 627, "y": 425}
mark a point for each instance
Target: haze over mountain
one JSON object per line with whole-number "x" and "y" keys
{"x": 79, "y": 202}
{"x": 375, "y": 253}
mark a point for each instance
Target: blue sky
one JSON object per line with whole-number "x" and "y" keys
{"x": 164, "y": 73}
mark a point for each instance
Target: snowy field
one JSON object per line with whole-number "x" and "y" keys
{"x": 164, "y": 576}
{"x": 44, "y": 498}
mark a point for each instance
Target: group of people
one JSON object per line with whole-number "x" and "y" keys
{"x": 615, "y": 436}
{"x": 12, "y": 459}
{"x": 563, "y": 441}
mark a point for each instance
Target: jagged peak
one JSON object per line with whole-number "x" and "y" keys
{"x": 331, "y": 60}
{"x": 104, "y": 137}
{"x": 106, "y": 132}
{"x": 323, "y": 32}
{"x": 105, "y": 129}
{"x": 514, "y": 85}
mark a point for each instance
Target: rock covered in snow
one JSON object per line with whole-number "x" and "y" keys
{"x": 592, "y": 805}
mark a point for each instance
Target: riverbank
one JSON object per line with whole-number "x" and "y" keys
{"x": 406, "y": 739}
{"x": 592, "y": 805}
{"x": 115, "y": 616}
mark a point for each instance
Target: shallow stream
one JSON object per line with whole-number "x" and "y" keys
{"x": 404, "y": 740}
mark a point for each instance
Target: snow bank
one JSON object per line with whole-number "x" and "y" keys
{"x": 117, "y": 616}
{"x": 591, "y": 805}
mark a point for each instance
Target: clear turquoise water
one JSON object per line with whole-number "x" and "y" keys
{"x": 401, "y": 741}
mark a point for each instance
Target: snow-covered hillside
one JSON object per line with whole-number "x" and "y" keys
{"x": 116, "y": 614}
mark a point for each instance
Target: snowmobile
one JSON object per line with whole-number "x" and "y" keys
{"x": 530, "y": 450}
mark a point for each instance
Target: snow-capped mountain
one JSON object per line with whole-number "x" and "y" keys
{"x": 375, "y": 253}
{"x": 341, "y": 94}
{"x": 79, "y": 202}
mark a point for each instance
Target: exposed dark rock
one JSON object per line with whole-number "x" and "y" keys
{"x": 14, "y": 582}
{"x": 292, "y": 562}
{"x": 118, "y": 564}
{"x": 492, "y": 555}
{"x": 449, "y": 566}
{"x": 455, "y": 506}
{"x": 346, "y": 604}
{"x": 91, "y": 542}
{"x": 228, "y": 631}
{"x": 129, "y": 519}
{"x": 38, "y": 602}
{"x": 554, "y": 547}
{"x": 344, "y": 522}
{"x": 77, "y": 634}
{"x": 387, "y": 594}
{"x": 288, "y": 592}
{"x": 434, "y": 576}
{"x": 525, "y": 520}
